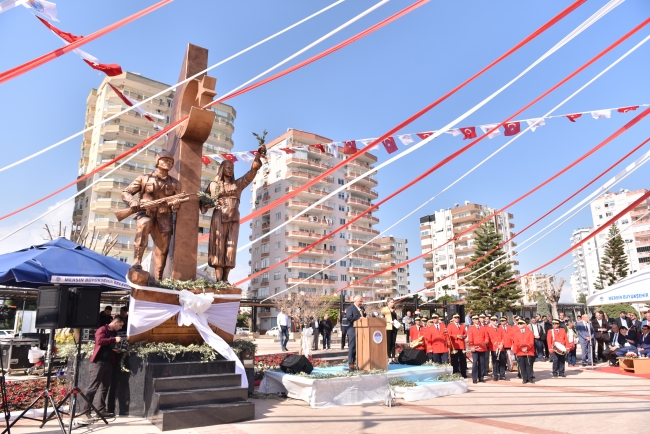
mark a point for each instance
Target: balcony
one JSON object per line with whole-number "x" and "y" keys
{"x": 305, "y": 265}
{"x": 358, "y": 203}
{"x": 472, "y": 218}
{"x": 428, "y": 255}
{"x": 465, "y": 208}
{"x": 367, "y": 218}
{"x": 427, "y": 265}
{"x": 461, "y": 229}
{"x": 387, "y": 256}
{"x": 365, "y": 284}
{"x": 361, "y": 271}
{"x": 430, "y": 275}
{"x": 359, "y": 243}
{"x": 360, "y": 165}
{"x": 367, "y": 257}
{"x": 107, "y": 205}
{"x": 363, "y": 191}
{"x": 107, "y": 224}
{"x": 298, "y": 175}
{"x": 368, "y": 181}
{"x": 355, "y": 228}
{"x": 300, "y": 204}
{"x": 426, "y": 247}
{"x": 319, "y": 282}
{"x": 309, "y": 221}
{"x": 384, "y": 291}
{"x": 294, "y": 161}
{"x": 294, "y": 249}
{"x": 463, "y": 260}
{"x": 367, "y": 156}
{"x": 110, "y": 185}
{"x": 303, "y": 234}
{"x": 387, "y": 248}
{"x": 310, "y": 192}
{"x": 384, "y": 265}
{"x": 387, "y": 282}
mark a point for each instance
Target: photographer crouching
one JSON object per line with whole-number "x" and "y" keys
{"x": 101, "y": 367}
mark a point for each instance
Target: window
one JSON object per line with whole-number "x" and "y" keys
{"x": 624, "y": 222}
{"x": 278, "y": 216}
{"x": 265, "y": 263}
{"x": 276, "y": 275}
{"x": 344, "y": 277}
{"x": 278, "y": 188}
{"x": 263, "y": 292}
{"x": 277, "y": 290}
{"x": 343, "y": 263}
{"x": 341, "y": 195}
{"x": 341, "y": 221}
{"x": 277, "y": 231}
{"x": 600, "y": 216}
{"x": 423, "y": 234}
{"x": 342, "y": 235}
{"x": 257, "y": 250}
{"x": 265, "y": 277}
{"x": 341, "y": 208}
{"x": 257, "y": 266}
{"x": 333, "y": 248}
{"x": 341, "y": 182}
{"x": 609, "y": 214}
{"x": 278, "y": 174}
{"x": 265, "y": 248}
{"x": 401, "y": 270}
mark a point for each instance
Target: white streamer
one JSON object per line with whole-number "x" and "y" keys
{"x": 582, "y": 27}
{"x": 171, "y": 87}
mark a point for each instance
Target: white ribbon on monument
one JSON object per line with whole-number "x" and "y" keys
{"x": 194, "y": 309}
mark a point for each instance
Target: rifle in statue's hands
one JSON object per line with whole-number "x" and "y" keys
{"x": 124, "y": 213}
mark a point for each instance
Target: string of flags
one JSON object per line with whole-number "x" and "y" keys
{"x": 390, "y": 144}
{"x": 45, "y": 8}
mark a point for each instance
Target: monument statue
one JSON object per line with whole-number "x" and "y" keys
{"x": 160, "y": 195}
{"x": 224, "y": 194}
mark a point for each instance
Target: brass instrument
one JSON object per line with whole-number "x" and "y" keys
{"x": 450, "y": 344}
{"x": 418, "y": 341}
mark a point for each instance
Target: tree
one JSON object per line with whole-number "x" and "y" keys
{"x": 80, "y": 235}
{"x": 490, "y": 291}
{"x": 614, "y": 265}
{"x": 302, "y": 308}
{"x": 552, "y": 293}
{"x": 614, "y": 310}
{"x": 542, "y": 307}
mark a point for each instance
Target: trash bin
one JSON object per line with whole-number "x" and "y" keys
{"x": 15, "y": 353}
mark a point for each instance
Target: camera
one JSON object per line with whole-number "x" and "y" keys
{"x": 121, "y": 346}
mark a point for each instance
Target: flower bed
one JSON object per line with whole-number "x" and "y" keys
{"x": 271, "y": 362}
{"x": 21, "y": 393}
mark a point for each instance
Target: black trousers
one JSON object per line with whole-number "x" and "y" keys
{"x": 344, "y": 332}
{"x": 391, "y": 338}
{"x": 352, "y": 346}
{"x": 407, "y": 332}
{"x": 499, "y": 365}
{"x": 478, "y": 363}
{"x": 100, "y": 378}
{"x": 558, "y": 363}
{"x": 525, "y": 364}
{"x": 440, "y": 358}
{"x": 459, "y": 363}
{"x": 546, "y": 352}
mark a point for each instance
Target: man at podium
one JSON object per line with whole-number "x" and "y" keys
{"x": 353, "y": 313}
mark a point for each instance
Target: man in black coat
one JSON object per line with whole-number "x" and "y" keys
{"x": 325, "y": 330}
{"x": 353, "y": 313}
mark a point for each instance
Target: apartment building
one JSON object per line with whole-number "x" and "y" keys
{"x": 635, "y": 231}
{"x": 438, "y": 228}
{"x": 393, "y": 251}
{"x": 286, "y": 172}
{"x": 94, "y": 208}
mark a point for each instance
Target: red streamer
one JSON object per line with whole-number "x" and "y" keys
{"x": 310, "y": 183}
{"x": 33, "y": 64}
{"x": 244, "y": 90}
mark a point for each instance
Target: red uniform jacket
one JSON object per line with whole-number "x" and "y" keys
{"x": 455, "y": 330}
{"x": 519, "y": 341}
{"x": 435, "y": 339}
{"x": 478, "y": 338}
{"x": 559, "y": 336}
{"x": 415, "y": 333}
{"x": 507, "y": 335}
{"x": 496, "y": 336}
{"x": 103, "y": 337}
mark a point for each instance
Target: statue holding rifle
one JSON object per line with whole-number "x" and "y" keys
{"x": 159, "y": 195}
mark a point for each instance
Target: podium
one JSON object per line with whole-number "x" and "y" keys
{"x": 371, "y": 343}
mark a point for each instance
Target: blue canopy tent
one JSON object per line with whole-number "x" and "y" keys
{"x": 62, "y": 262}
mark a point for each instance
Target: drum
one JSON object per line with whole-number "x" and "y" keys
{"x": 511, "y": 361}
{"x": 559, "y": 348}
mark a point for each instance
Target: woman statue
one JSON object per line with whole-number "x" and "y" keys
{"x": 226, "y": 191}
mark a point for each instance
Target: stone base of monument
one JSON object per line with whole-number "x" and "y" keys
{"x": 185, "y": 393}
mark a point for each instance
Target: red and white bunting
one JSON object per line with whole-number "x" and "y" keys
{"x": 390, "y": 144}
{"x": 43, "y": 7}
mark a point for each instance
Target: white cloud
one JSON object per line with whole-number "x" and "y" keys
{"x": 33, "y": 234}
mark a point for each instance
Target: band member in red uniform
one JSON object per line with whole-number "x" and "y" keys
{"x": 416, "y": 332}
{"x": 497, "y": 349}
{"x": 557, "y": 334}
{"x": 428, "y": 340}
{"x": 478, "y": 342}
{"x": 457, "y": 335}
{"x": 437, "y": 340}
{"x": 524, "y": 347}
{"x": 507, "y": 342}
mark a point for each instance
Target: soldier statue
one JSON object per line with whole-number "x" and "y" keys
{"x": 160, "y": 195}
{"x": 226, "y": 191}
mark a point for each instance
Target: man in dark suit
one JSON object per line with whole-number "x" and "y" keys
{"x": 630, "y": 343}
{"x": 643, "y": 347}
{"x": 315, "y": 324}
{"x": 353, "y": 313}
{"x": 586, "y": 338}
{"x": 614, "y": 343}
{"x": 601, "y": 327}
{"x": 622, "y": 321}
{"x": 634, "y": 322}
{"x": 545, "y": 326}
{"x": 325, "y": 330}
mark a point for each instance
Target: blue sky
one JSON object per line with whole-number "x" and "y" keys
{"x": 358, "y": 92}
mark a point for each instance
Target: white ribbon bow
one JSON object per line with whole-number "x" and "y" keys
{"x": 197, "y": 303}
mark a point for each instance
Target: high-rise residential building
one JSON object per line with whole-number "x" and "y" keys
{"x": 94, "y": 208}
{"x": 393, "y": 251}
{"x": 286, "y": 172}
{"x": 635, "y": 231}
{"x": 438, "y": 228}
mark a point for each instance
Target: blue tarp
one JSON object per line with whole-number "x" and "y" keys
{"x": 62, "y": 262}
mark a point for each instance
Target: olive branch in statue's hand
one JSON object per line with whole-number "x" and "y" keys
{"x": 261, "y": 150}
{"x": 206, "y": 200}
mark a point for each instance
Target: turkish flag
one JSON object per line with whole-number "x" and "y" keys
{"x": 319, "y": 147}
{"x": 628, "y": 109}
{"x": 205, "y": 160}
{"x": 68, "y": 37}
{"x": 110, "y": 69}
{"x": 468, "y": 132}
{"x": 573, "y": 118}
{"x": 288, "y": 150}
{"x": 389, "y": 144}
{"x": 424, "y": 135}
{"x": 230, "y": 157}
{"x": 350, "y": 147}
{"x": 511, "y": 128}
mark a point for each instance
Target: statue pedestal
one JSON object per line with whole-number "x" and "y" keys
{"x": 170, "y": 331}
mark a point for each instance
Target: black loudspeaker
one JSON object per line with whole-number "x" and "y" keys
{"x": 295, "y": 364}
{"x": 52, "y": 308}
{"x": 86, "y": 307}
{"x": 412, "y": 357}
{"x": 453, "y": 309}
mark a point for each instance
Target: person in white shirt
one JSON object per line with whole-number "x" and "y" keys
{"x": 283, "y": 323}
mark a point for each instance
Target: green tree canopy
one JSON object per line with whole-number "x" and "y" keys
{"x": 487, "y": 286}
{"x": 613, "y": 265}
